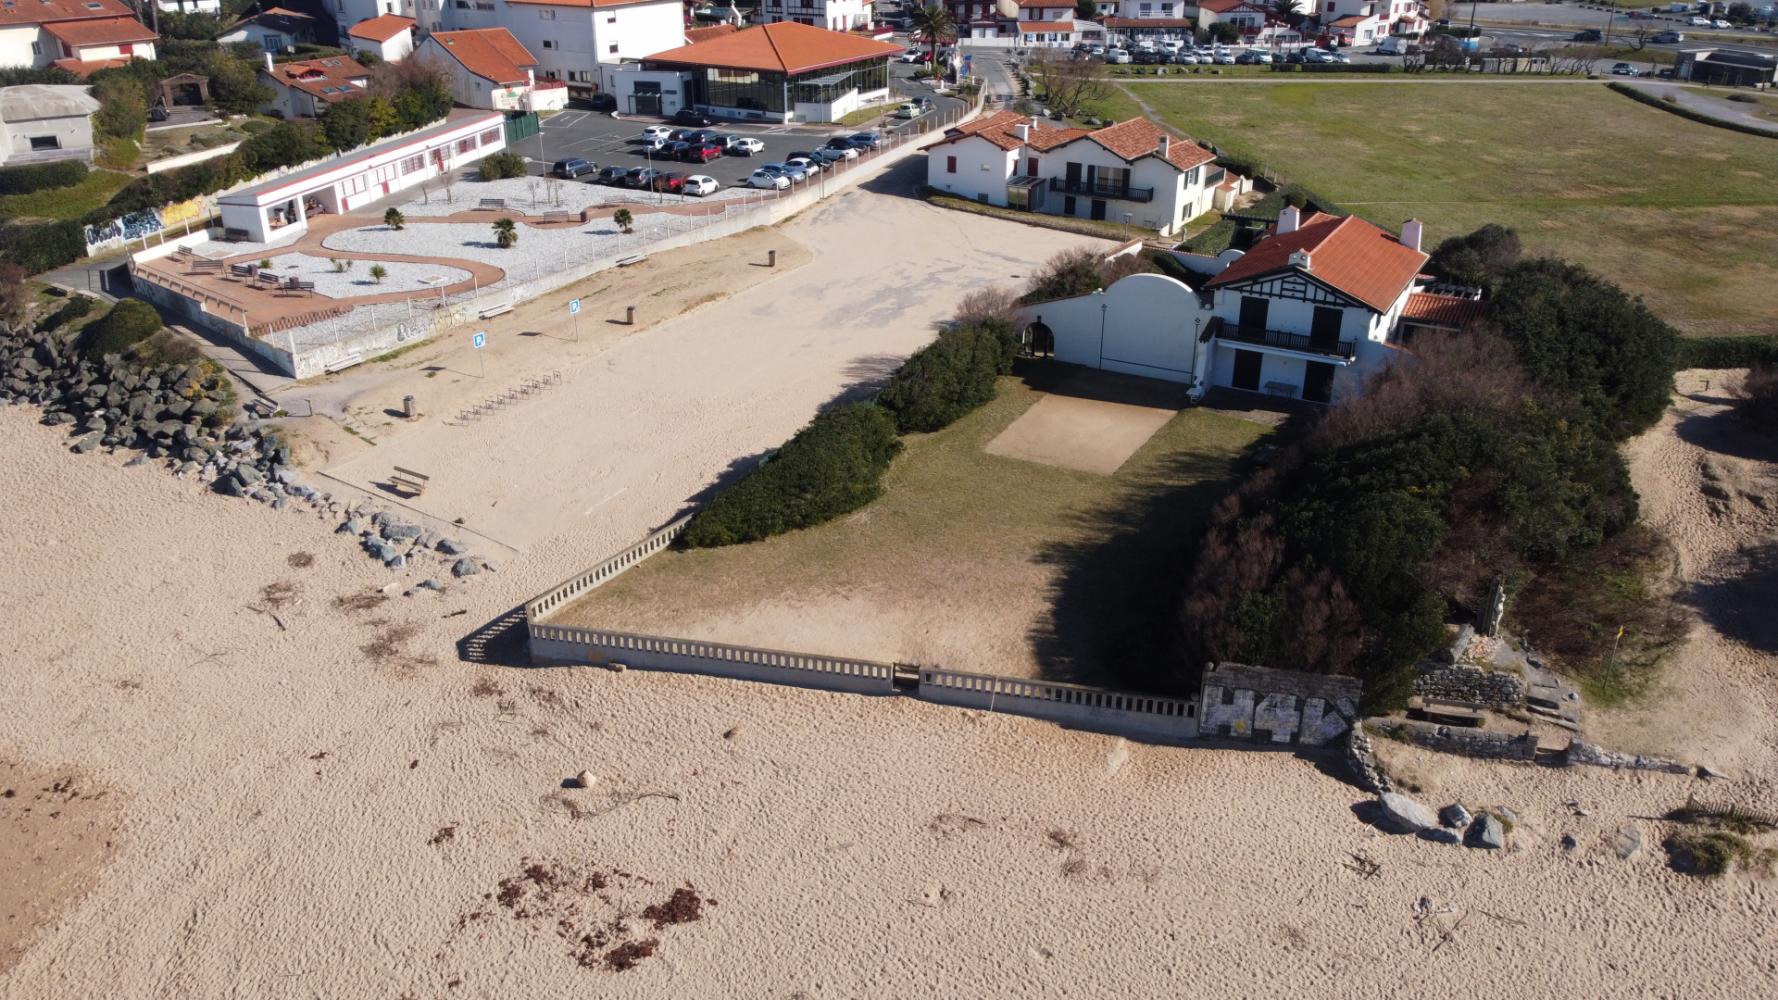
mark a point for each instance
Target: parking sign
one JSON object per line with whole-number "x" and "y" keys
{"x": 574, "y": 307}
{"x": 478, "y": 340}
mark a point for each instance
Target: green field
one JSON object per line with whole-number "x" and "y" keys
{"x": 1683, "y": 214}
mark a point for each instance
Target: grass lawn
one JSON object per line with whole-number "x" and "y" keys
{"x": 70, "y": 202}
{"x": 1681, "y": 213}
{"x": 970, "y": 560}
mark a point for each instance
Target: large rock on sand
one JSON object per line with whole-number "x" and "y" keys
{"x": 1487, "y": 832}
{"x": 1403, "y": 815}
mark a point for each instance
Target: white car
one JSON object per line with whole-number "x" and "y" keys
{"x": 1720, "y": 23}
{"x": 657, "y": 132}
{"x": 767, "y": 179}
{"x": 810, "y": 167}
{"x": 908, "y": 111}
{"x": 745, "y": 146}
{"x": 1225, "y": 59}
{"x": 1700, "y": 22}
{"x": 1118, "y": 56}
{"x": 652, "y": 143}
{"x": 849, "y": 152}
{"x": 702, "y": 185}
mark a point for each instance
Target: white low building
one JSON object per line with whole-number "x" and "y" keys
{"x": 490, "y": 69}
{"x": 573, "y": 40}
{"x": 303, "y": 88}
{"x": 274, "y": 30}
{"x": 1308, "y": 313}
{"x": 76, "y": 35}
{"x": 41, "y": 122}
{"x": 1134, "y": 171}
{"x": 279, "y": 209}
{"x": 834, "y": 15}
{"x": 389, "y": 37}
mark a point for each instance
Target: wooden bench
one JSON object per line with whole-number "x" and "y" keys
{"x": 243, "y": 270}
{"x": 492, "y": 205}
{"x": 268, "y": 278}
{"x": 409, "y": 480}
{"x": 499, "y": 310}
{"x": 635, "y": 258}
{"x": 299, "y": 285}
{"x": 558, "y": 216}
{"x": 200, "y": 266}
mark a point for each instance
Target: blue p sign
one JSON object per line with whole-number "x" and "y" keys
{"x": 478, "y": 340}
{"x": 573, "y": 307}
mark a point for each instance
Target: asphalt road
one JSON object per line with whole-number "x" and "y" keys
{"x": 1540, "y": 24}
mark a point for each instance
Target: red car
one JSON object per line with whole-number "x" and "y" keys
{"x": 670, "y": 183}
{"x": 702, "y": 152}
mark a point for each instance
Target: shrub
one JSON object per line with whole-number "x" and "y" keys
{"x": 393, "y": 218}
{"x": 1707, "y": 853}
{"x": 1479, "y": 259}
{"x": 1727, "y": 352}
{"x": 505, "y": 163}
{"x": 38, "y": 176}
{"x": 945, "y": 379}
{"x": 831, "y": 467}
{"x": 129, "y": 322}
{"x": 378, "y": 272}
{"x": 255, "y": 126}
{"x": 623, "y": 219}
{"x": 118, "y": 153}
{"x": 71, "y": 310}
{"x": 123, "y": 107}
{"x": 506, "y": 233}
{"x": 42, "y": 246}
{"x": 1759, "y": 396}
{"x": 1065, "y": 275}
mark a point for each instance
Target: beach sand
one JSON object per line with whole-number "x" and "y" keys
{"x": 328, "y": 803}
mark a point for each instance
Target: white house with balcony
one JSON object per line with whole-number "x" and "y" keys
{"x": 1307, "y": 313}
{"x": 490, "y": 69}
{"x": 834, "y": 15}
{"x": 1133, "y": 171}
{"x": 572, "y": 41}
{"x": 1367, "y": 22}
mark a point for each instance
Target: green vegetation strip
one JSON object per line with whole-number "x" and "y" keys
{"x": 1675, "y": 108}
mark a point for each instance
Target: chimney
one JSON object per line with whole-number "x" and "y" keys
{"x": 1300, "y": 259}
{"x": 1288, "y": 219}
{"x": 1023, "y": 131}
{"x": 268, "y": 63}
{"x": 1410, "y": 234}
{"x": 1166, "y": 141}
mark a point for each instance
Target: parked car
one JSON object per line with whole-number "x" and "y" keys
{"x": 794, "y": 173}
{"x": 1254, "y": 57}
{"x": 1622, "y": 69}
{"x": 681, "y": 134}
{"x": 842, "y": 144}
{"x": 1589, "y": 35}
{"x": 768, "y": 179}
{"x": 670, "y": 183}
{"x": 657, "y": 132}
{"x": 810, "y": 165}
{"x": 1185, "y": 58}
{"x": 1225, "y": 58}
{"x": 740, "y": 145}
{"x": 911, "y": 56}
{"x": 701, "y": 152}
{"x": 641, "y": 177}
{"x": 604, "y": 102}
{"x": 1720, "y": 23}
{"x": 689, "y": 116}
{"x": 701, "y": 185}
{"x": 613, "y": 175}
{"x": 1696, "y": 22}
{"x": 654, "y": 144}
{"x": 707, "y": 135}
{"x": 672, "y": 150}
{"x": 868, "y": 140}
{"x": 1667, "y": 37}
{"x": 573, "y": 167}
{"x": 1118, "y": 56}
{"x": 909, "y": 110}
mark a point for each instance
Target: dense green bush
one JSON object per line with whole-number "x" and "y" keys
{"x": 1727, "y": 352}
{"x": 948, "y": 377}
{"x": 505, "y": 163}
{"x": 129, "y": 322}
{"x": 38, "y": 176}
{"x": 1586, "y": 340}
{"x": 1479, "y": 259}
{"x": 42, "y": 246}
{"x": 831, "y": 467}
{"x": 71, "y": 310}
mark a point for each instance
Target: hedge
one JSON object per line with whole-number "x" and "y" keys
{"x": 1334, "y": 67}
{"x": 71, "y": 310}
{"x": 128, "y": 322}
{"x": 42, "y": 246}
{"x": 831, "y": 467}
{"x": 37, "y": 176}
{"x": 1727, "y": 352}
{"x": 502, "y": 165}
{"x": 1698, "y": 116}
{"x": 949, "y": 377}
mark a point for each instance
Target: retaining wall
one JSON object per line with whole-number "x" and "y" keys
{"x": 602, "y": 647}
{"x": 1277, "y": 706}
{"x": 1072, "y": 705}
{"x": 1479, "y": 743}
{"x": 539, "y": 608}
{"x": 1471, "y": 685}
{"x": 187, "y": 159}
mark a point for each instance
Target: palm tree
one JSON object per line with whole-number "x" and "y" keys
{"x": 378, "y": 272}
{"x": 623, "y": 219}
{"x": 393, "y": 219}
{"x": 506, "y": 233}
{"x": 1288, "y": 11}
{"x": 935, "y": 26}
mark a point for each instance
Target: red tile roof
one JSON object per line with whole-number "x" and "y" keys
{"x": 1349, "y": 21}
{"x": 490, "y": 53}
{"x": 100, "y": 31}
{"x": 1450, "y": 311}
{"x": 780, "y": 47}
{"x": 381, "y": 28}
{"x": 87, "y": 67}
{"x": 1347, "y": 254}
{"x": 998, "y": 129}
{"x": 46, "y": 11}
{"x": 1140, "y": 137}
{"x": 331, "y": 78}
{"x": 1130, "y": 140}
{"x": 1036, "y": 27}
{"x": 1224, "y": 6}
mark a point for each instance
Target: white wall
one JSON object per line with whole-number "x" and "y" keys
{"x": 567, "y": 41}
{"x": 392, "y": 50}
{"x": 470, "y": 90}
{"x": 71, "y": 133}
{"x": 1145, "y": 324}
{"x": 981, "y": 174}
{"x": 15, "y": 47}
{"x": 91, "y": 53}
{"x": 639, "y": 30}
{"x": 291, "y": 102}
{"x": 834, "y": 15}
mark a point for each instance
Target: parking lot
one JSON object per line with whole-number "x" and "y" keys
{"x": 602, "y": 139}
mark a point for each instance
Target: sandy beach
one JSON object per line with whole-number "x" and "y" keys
{"x": 329, "y": 803}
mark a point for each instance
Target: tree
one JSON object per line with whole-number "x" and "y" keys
{"x": 235, "y": 87}
{"x": 1224, "y": 32}
{"x": 506, "y": 233}
{"x": 378, "y": 272}
{"x": 418, "y": 90}
{"x": 1739, "y": 13}
{"x": 123, "y": 107}
{"x": 15, "y": 293}
{"x": 394, "y": 219}
{"x": 1478, "y": 259}
{"x": 1086, "y": 10}
{"x": 935, "y": 26}
{"x": 1288, "y": 11}
{"x": 347, "y": 124}
{"x": 623, "y": 219}
{"x": 1068, "y": 85}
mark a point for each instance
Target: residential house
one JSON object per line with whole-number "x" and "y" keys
{"x": 303, "y": 88}
{"x": 834, "y": 15}
{"x": 778, "y": 72}
{"x": 1133, "y": 171}
{"x": 490, "y": 69}
{"x": 41, "y": 122}
{"x": 190, "y": 6}
{"x": 1045, "y": 23}
{"x": 1028, "y": 23}
{"x": 1730, "y": 68}
{"x": 1367, "y": 22}
{"x": 275, "y": 29}
{"x": 577, "y": 41}
{"x": 1245, "y": 16}
{"x": 389, "y": 37}
{"x": 77, "y": 35}
{"x": 1307, "y": 313}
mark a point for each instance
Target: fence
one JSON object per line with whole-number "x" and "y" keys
{"x": 568, "y": 644}
{"x": 1073, "y": 705}
{"x": 522, "y": 127}
{"x": 552, "y": 600}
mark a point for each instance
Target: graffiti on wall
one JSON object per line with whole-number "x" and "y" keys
{"x": 1276, "y": 706}
{"x": 146, "y": 222}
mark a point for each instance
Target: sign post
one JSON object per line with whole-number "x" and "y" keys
{"x": 480, "y": 340}
{"x": 574, "y": 311}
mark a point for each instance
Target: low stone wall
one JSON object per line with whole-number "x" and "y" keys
{"x": 1472, "y": 685}
{"x": 1276, "y": 706}
{"x": 1361, "y": 761}
{"x": 1481, "y": 744}
{"x": 601, "y": 647}
{"x": 1597, "y": 756}
{"x": 1075, "y": 705}
{"x": 539, "y": 608}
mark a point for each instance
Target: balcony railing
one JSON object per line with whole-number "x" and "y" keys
{"x": 1289, "y": 341}
{"x": 1099, "y": 189}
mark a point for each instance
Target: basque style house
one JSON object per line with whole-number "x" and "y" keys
{"x": 1307, "y": 313}
{"x": 389, "y": 37}
{"x": 1133, "y": 171}
{"x": 489, "y": 69}
{"x": 76, "y": 35}
{"x": 304, "y": 88}
{"x": 576, "y": 41}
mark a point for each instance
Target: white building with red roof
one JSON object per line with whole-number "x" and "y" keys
{"x": 389, "y": 37}
{"x": 573, "y": 41}
{"x": 1308, "y": 312}
{"x": 303, "y": 88}
{"x": 1133, "y": 171}
{"x": 1367, "y": 22}
{"x": 834, "y": 15}
{"x": 490, "y": 69}
{"x": 779, "y": 72}
{"x": 1025, "y": 23}
{"x": 77, "y": 35}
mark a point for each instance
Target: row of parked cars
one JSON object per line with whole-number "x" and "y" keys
{"x": 641, "y": 178}
{"x": 801, "y": 165}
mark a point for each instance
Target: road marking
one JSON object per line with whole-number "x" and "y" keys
{"x": 566, "y": 119}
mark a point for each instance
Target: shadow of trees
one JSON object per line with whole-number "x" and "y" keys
{"x": 1726, "y": 433}
{"x": 1741, "y": 607}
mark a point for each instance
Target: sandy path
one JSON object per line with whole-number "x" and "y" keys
{"x": 281, "y": 792}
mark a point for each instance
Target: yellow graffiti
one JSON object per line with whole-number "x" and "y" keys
{"x": 179, "y": 212}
